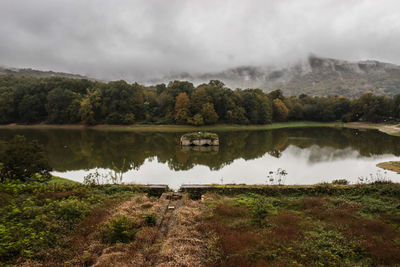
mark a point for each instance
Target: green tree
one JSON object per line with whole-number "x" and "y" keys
{"x": 29, "y": 109}
{"x": 88, "y": 106}
{"x": 197, "y": 120}
{"x": 237, "y": 116}
{"x": 7, "y": 110}
{"x": 58, "y": 102}
{"x": 296, "y": 112}
{"x": 198, "y": 98}
{"x": 208, "y": 113}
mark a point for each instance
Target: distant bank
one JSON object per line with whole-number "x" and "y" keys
{"x": 390, "y": 129}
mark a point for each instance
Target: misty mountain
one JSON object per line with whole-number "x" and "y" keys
{"x": 315, "y": 76}
{"x": 38, "y": 73}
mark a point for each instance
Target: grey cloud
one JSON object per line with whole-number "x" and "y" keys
{"x": 138, "y": 40}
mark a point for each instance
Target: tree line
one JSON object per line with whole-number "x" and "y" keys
{"x": 58, "y": 100}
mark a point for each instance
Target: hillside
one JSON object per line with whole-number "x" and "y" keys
{"x": 314, "y": 76}
{"x": 38, "y": 73}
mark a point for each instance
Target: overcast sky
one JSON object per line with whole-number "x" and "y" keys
{"x": 141, "y": 39}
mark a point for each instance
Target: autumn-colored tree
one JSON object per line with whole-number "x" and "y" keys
{"x": 182, "y": 108}
{"x": 280, "y": 110}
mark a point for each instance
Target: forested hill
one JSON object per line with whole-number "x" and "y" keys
{"x": 64, "y": 100}
{"x": 38, "y": 73}
{"x": 315, "y": 76}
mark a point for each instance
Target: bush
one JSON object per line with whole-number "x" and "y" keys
{"x": 261, "y": 209}
{"x": 71, "y": 210}
{"x": 119, "y": 229}
{"x": 340, "y": 181}
{"x": 150, "y": 219}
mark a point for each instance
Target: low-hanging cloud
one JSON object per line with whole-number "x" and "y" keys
{"x": 139, "y": 40}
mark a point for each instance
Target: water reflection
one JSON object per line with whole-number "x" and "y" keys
{"x": 77, "y": 150}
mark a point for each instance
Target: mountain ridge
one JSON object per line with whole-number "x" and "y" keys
{"x": 315, "y": 76}
{"x": 39, "y": 73}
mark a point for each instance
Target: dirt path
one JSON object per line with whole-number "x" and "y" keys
{"x": 172, "y": 202}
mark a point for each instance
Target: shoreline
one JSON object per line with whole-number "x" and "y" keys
{"x": 385, "y": 128}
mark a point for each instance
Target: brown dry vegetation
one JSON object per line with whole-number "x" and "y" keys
{"x": 342, "y": 230}
{"x": 135, "y": 252}
{"x": 183, "y": 245}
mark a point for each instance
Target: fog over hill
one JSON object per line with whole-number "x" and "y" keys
{"x": 314, "y": 76}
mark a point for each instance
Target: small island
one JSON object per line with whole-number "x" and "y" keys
{"x": 200, "y": 139}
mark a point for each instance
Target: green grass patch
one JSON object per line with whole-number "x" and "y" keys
{"x": 60, "y": 180}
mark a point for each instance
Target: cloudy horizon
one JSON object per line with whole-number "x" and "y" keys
{"x": 139, "y": 40}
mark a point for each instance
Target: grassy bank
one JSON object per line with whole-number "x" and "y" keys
{"x": 61, "y": 181}
{"x": 390, "y": 165}
{"x": 386, "y": 128}
{"x": 172, "y": 128}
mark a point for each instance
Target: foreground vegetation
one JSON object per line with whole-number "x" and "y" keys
{"x": 346, "y": 229}
{"x": 112, "y": 225}
{"x": 38, "y": 221}
{"x": 59, "y": 100}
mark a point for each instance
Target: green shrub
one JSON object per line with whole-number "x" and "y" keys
{"x": 150, "y": 219}
{"x": 71, "y": 210}
{"x": 340, "y": 181}
{"x": 261, "y": 209}
{"x": 119, "y": 229}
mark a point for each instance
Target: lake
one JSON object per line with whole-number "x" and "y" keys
{"x": 308, "y": 155}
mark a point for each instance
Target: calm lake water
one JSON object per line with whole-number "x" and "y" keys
{"x": 308, "y": 155}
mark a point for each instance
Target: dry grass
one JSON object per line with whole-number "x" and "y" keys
{"x": 185, "y": 244}
{"x": 135, "y": 252}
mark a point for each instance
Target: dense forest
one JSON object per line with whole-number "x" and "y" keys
{"x": 58, "y": 100}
